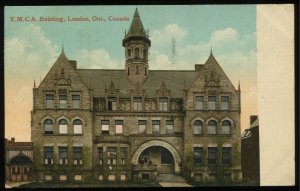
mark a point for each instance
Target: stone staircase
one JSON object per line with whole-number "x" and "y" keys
{"x": 170, "y": 178}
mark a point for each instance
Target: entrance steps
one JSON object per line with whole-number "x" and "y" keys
{"x": 170, "y": 178}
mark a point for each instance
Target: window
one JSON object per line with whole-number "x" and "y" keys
{"x": 145, "y": 176}
{"x": 111, "y": 155}
{"x": 145, "y": 54}
{"x": 77, "y": 124}
{"x": 212, "y": 155}
{"x": 77, "y": 155}
{"x": 62, "y": 101}
{"x": 136, "y": 52}
{"x": 76, "y": 101}
{"x": 212, "y": 127}
{"x": 48, "y": 126}
{"x": 137, "y": 71}
{"x": 63, "y": 155}
{"x": 169, "y": 127}
{"x": 123, "y": 155}
{"x": 78, "y": 177}
{"x": 62, "y": 177}
{"x": 226, "y": 125}
{"x": 63, "y": 126}
{"x": 212, "y": 102}
{"x": 49, "y": 101}
{"x": 163, "y": 104}
{"x": 112, "y": 103}
{"x": 137, "y": 103}
{"x": 100, "y": 155}
{"x": 100, "y": 177}
{"x": 119, "y": 126}
{"x": 112, "y": 177}
{"x": 198, "y": 177}
{"x": 226, "y": 155}
{"x": 199, "y": 102}
{"x": 142, "y": 126}
{"x": 129, "y": 53}
{"x": 48, "y": 177}
{"x": 198, "y": 155}
{"x": 105, "y": 127}
{"x": 212, "y": 177}
{"x": 227, "y": 177}
{"x": 224, "y": 102}
{"x": 198, "y": 126}
{"x": 48, "y": 155}
{"x": 155, "y": 127}
{"x": 123, "y": 177}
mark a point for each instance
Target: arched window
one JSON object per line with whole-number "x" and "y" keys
{"x": 129, "y": 53}
{"x": 137, "y": 70}
{"x": 136, "y": 52}
{"x": 48, "y": 126}
{"x": 198, "y": 126}
{"x": 145, "y": 54}
{"x": 212, "y": 127}
{"x": 77, "y": 126}
{"x": 63, "y": 126}
{"x": 226, "y": 125}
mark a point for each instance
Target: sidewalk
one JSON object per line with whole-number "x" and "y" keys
{"x": 14, "y": 184}
{"x": 174, "y": 184}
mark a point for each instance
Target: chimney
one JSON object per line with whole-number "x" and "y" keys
{"x": 252, "y": 118}
{"x": 198, "y": 67}
{"x": 73, "y": 63}
{"x": 12, "y": 139}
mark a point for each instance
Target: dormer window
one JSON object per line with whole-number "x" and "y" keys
{"x": 112, "y": 103}
{"x": 163, "y": 103}
{"x": 137, "y": 103}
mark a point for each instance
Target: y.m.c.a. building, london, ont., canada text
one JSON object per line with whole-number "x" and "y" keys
{"x": 135, "y": 123}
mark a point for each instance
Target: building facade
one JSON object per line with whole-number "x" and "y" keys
{"x": 18, "y": 161}
{"x": 136, "y": 123}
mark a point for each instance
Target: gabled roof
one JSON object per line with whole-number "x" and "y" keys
{"x": 174, "y": 80}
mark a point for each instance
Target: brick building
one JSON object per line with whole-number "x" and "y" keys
{"x": 18, "y": 161}
{"x": 250, "y": 151}
{"x": 136, "y": 123}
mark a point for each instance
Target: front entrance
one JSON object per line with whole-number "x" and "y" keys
{"x": 160, "y": 156}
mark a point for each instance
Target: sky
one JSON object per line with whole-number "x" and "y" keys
{"x": 31, "y": 47}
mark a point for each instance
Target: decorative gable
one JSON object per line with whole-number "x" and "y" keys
{"x": 111, "y": 90}
{"x": 163, "y": 90}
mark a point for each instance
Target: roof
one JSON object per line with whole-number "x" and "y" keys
{"x": 248, "y": 132}
{"x": 136, "y": 28}
{"x": 175, "y": 80}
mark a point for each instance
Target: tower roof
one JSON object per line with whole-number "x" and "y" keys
{"x": 136, "y": 29}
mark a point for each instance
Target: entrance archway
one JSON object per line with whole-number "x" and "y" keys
{"x": 20, "y": 169}
{"x": 156, "y": 144}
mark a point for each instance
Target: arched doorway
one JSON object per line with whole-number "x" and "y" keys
{"x": 159, "y": 156}
{"x": 20, "y": 169}
{"x": 169, "y": 161}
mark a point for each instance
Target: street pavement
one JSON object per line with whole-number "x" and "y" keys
{"x": 174, "y": 184}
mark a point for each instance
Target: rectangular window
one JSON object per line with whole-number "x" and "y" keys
{"x": 123, "y": 177}
{"x": 77, "y": 155}
{"x": 155, "y": 127}
{"x": 169, "y": 127}
{"x": 49, "y": 101}
{"x": 48, "y": 155}
{"x": 137, "y": 103}
{"x": 100, "y": 155}
{"x": 48, "y": 177}
{"x": 212, "y": 102}
{"x": 212, "y": 155}
{"x": 163, "y": 104}
{"x": 198, "y": 177}
{"x": 112, "y": 103}
{"x": 78, "y": 177}
{"x": 63, "y": 155}
{"x": 227, "y": 176}
{"x": 112, "y": 177}
{"x": 62, "y": 101}
{"x": 226, "y": 155}
{"x": 224, "y": 102}
{"x": 111, "y": 155}
{"x": 212, "y": 177}
{"x": 100, "y": 177}
{"x": 142, "y": 126}
{"x": 198, "y": 155}
{"x": 63, "y": 129}
{"x": 123, "y": 155}
{"x": 76, "y": 101}
{"x": 145, "y": 176}
{"x": 105, "y": 127}
{"x": 62, "y": 177}
{"x": 119, "y": 126}
{"x": 199, "y": 102}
